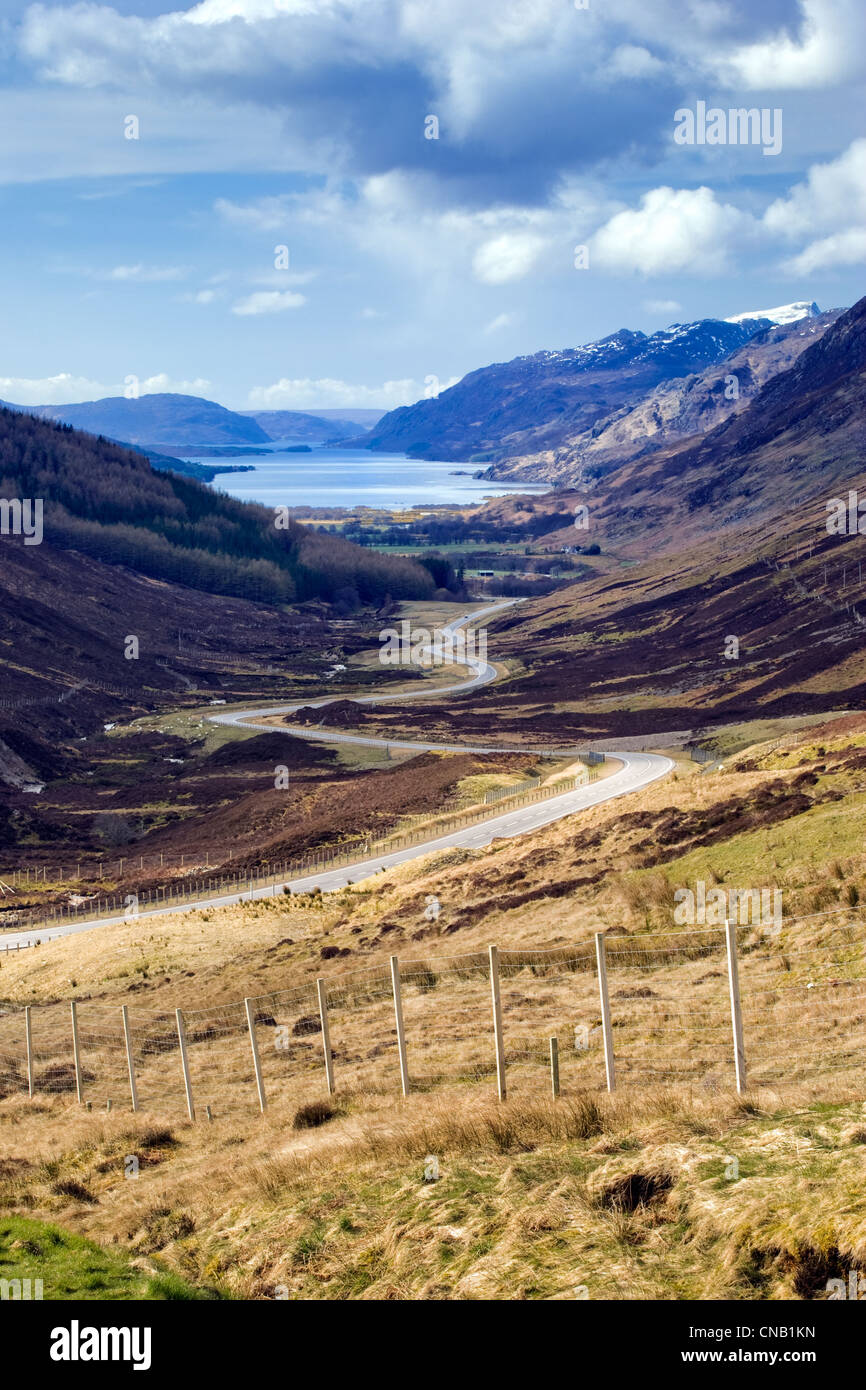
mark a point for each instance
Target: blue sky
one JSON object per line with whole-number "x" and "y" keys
{"x": 301, "y": 123}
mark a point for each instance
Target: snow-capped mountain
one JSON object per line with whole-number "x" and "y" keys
{"x": 785, "y": 313}
{"x": 510, "y": 409}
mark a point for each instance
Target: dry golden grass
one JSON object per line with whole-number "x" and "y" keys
{"x": 629, "y": 1195}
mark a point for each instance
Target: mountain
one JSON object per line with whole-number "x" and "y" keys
{"x": 364, "y": 417}
{"x": 727, "y": 538}
{"x": 513, "y": 409}
{"x": 800, "y": 440}
{"x": 674, "y": 410}
{"x": 295, "y": 424}
{"x": 164, "y": 419}
{"x": 785, "y": 313}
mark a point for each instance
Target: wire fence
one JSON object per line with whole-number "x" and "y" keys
{"x": 719, "y": 1008}
{"x": 195, "y": 887}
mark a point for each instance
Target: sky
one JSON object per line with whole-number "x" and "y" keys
{"x": 301, "y": 204}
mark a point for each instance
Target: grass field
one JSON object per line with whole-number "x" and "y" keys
{"x": 672, "y": 1187}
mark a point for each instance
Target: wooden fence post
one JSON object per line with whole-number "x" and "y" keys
{"x": 75, "y": 1050}
{"x": 130, "y": 1063}
{"x": 322, "y": 990}
{"x": 398, "y": 1014}
{"x": 736, "y": 1011}
{"x": 28, "y": 1038}
{"x": 554, "y": 1066}
{"x": 493, "y": 952}
{"x": 257, "y": 1066}
{"x": 187, "y": 1084}
{"x": 607, "y": 1034}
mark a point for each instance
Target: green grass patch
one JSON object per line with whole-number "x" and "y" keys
{"x": 71, "y": 1267}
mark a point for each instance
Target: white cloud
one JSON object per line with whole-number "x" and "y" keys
{"x": 829, "y": 49}
{"x": 268, "y": 302}
{"x": 65, "y": 389}
{"x": 501, "y": 321}
{"x": 51, "y": 390}
{"x": 312, "y": 206}
{"x": 832, "y": 196}
{"x": 844, "y": 248}
{"x": 201, "y": 297}
{"x": 162, "y": 382}
{"x": 673, "y": 230}
{"x": 142, "y": 274}
{"x": 507, "y": 257}
{"x": 326, "y": 392}
{"x": 662, "y": 306}
{"x": 830, "y": 208}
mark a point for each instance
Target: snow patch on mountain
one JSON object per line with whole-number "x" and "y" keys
{"x": 785, "y": 313}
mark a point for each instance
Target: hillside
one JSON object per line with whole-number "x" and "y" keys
{"x": 448, "y": 1194}
{"x": 107, "y": 501}
{"x": 674, "y": 410}
{"x": 535, "y": 403}
{"x": 295, "y": 424}
{"x": 163, "y": 419}
{"x": 700, "y": 542}
{"x": 801, "y": 438}
{"x": 131, "y": 551}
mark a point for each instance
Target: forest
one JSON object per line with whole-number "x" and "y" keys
{"x": 107, "y": 502}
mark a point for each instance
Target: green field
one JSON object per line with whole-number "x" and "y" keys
{"x": 71, "y": 1267}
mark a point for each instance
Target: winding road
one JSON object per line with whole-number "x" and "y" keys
{"x": 637, "y": 770}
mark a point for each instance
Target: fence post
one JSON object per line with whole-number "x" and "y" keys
{"x": 607, "y": 1034}
{"x": 554, "y": 1066}
{"x": 187, "y": 1084}
{"x": 493, "y": 952}
{"x": 736, "y": 1011}
{"x": 75, "y": 1050}
{"x": 398, "y": 1014}
{"x": 130, "y": 1064}
{"x": 257, "y": 1066}
{"x": 28, "y": 1038}
{"x": 322, "y": 990}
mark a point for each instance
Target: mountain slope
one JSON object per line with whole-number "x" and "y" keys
{"x": 166, "y": 419}
{"x": 534, "y": 403}
{"x": 296, "y": 424}
{"x": 801, "y": 439}
{"x": 108, "y": 502}
{"x": 674, "y": 410}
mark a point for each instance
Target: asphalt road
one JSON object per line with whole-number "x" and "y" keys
{"x": 638, "y": 770}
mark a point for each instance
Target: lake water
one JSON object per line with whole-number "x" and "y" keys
{"x": 354, "y": 478}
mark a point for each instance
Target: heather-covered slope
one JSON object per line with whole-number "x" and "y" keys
{"x": 535, "y": 403}
{"x": 674, "y": 410}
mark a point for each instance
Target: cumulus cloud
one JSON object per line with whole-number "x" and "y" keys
{"x": 507, "y": 257}
{"x": 673, "y": 230}
{"x": 65, "y": 388}
{"x": 827, "y": 210}
{"x": 268, "y": 302}
{"x": 828, "y": 47}
{"x": 327, "y": 392}
{"x": 844, "y": 248}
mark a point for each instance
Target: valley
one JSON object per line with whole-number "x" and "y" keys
{"x": 290, "y": 814}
